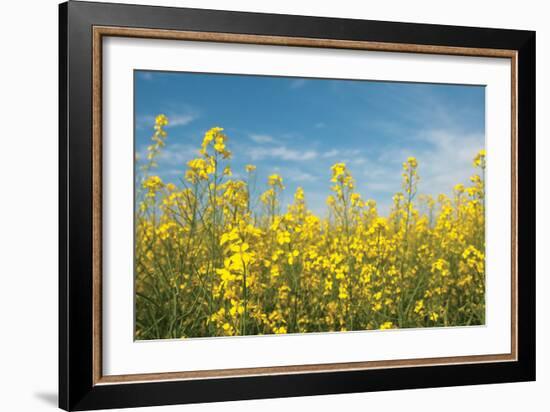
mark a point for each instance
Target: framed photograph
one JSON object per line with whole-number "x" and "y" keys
{"x": 257, "y": 205}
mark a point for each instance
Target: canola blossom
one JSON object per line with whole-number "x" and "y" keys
{"x": 213, "y": 261}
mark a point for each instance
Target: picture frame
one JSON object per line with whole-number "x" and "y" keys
{"x": 82, "y": 29}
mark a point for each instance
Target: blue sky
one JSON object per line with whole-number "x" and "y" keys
{"x": 299, "y": 127}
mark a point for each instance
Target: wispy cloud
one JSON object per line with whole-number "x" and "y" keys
{"x": 299, "y": 176}
{"x": 180, "y": 119}
{"x": 297, "y": 83}
{"x": 346, "y": 156}
{"x": 145, "y": 75}
{"x": 172, "y": 172}
{"x": 173, "y": 156}
{"x": 376, "y": 127}
{"x": 178, "y": 154}
{"x": 147, "y": 121}
{"x": 261, "y": 138}
{"x": 330, "y": 154}
{"x": 444, "y": 160}
{"x": 449, "y": 159}
{"x": 316, "y": 202}
{"x": 281, "y": 152}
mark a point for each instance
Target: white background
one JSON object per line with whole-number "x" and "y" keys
{"x": 124, "y": 356}
{"x": 28, "y": 211}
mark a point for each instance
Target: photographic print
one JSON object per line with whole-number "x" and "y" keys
{"x": 276, "y": 205}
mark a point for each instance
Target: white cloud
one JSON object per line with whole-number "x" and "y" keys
{"x": 180, "y": 119}
{"x": 346, "y": 156}
{"x": 449, "y": 161}
{"x": 359, "y": 161}
{"x": 173, "y": 172}
{"x": 316, "y": 202}
{"x": 146, "y": 75}
{"x": 145, "y": 122}
{"x": 331, "y": 153}
{"x": 261, "y": 138}
{"x": 388, "y": 185}
{"x": 281, "y": 152}
{"x": 174, "y": 120}
{"x": 177, "y": 154}
{"x": 300, "y": 176}
{"x": 297, "y": 83}
{"x": 444, "y": 160}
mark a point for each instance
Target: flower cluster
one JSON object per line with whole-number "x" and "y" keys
{"x": 208, "y": 263}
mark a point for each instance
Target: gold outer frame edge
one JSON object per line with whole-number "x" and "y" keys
{"x": 101, "y": 31}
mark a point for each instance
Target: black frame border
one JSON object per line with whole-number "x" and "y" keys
{"x": 76, "y": 387}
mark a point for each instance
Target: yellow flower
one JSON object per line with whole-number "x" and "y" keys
{"x": 241, "y": 262}
{"x": 386, "y": 325}
{"x": 275, "y": 181}
{"x": 342, "y": 293}
{"x": 338, "y": 170}
{"x": 355, "y": 199}
{"x": 161, "y": 120}
{"x": 479, "y": 160}
{"x": 199, "y": 168}
{"x": 217, "y": 136}
{"x": 233, "y": 235}
{"x": 153, "y": 184}
{"x": 412, "y": 162}
{"x": 283, "y": 237}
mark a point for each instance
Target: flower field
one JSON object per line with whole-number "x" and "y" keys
{"x": 211, "y": 259}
